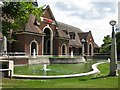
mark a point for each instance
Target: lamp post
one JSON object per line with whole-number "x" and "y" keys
{"x": 113, "y": 60}
{"x": 83, "y": 49}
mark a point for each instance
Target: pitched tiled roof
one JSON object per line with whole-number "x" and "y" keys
{"x": 75, "y": 42}
{"x": 95, "y": 45}
{"x": 61, "y": 34}
{"x": 72, "y": 42}
{"x": 62, "y": 26}
{"x": 83, "y": 35}
{"x": 30, "y": 27}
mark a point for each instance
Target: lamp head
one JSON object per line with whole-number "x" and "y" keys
{"x": 112, "y": 22}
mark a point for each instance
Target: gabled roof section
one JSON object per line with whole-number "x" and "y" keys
{"x": 47, "y": 13}
{"x": 83, "y": 35}
{"x": 90, "y": 33}
{"x": 75, "y": 42}
{"x": 63, "y": 26}
{"x": 62, "y": 35}
{"x": 95, "y": 45}
{"x": 30, "y": 27}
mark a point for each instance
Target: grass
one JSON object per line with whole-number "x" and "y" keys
{"x": 119, "y": 62}
{"x": 94, "y": 81}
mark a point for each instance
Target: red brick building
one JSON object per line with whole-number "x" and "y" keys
{"x": 53, "y": 38}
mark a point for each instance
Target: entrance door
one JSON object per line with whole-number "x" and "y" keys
{"x": 47, "y": 42}
{"x": 48, "y": 47}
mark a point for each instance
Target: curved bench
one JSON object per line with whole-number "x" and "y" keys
{"x": 94, "y": 67}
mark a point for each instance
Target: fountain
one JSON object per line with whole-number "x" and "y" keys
{"x": 34, "y": 53}
{"x": 45, "y": 69}
{"x": 83, "y": 59}
{"x": 58, "y": 72}
{"x": 108, "y": 59}
{"x": 71, "y": 54}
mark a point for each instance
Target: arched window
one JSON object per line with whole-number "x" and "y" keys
{"x": 33, "y": 46}
{"x": 64, "y": 49}
{"x": 48, "y": 46}
{"x": 48, "y": 41}
{"x": 90, "y": 49}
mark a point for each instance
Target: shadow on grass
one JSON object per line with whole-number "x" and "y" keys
{"x": 91, "y": 78}
{"x": 100, "y": 77}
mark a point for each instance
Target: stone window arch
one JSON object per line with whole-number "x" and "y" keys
{"x": 64, "y": 49}
{"x": 33, "y": 45}
{"x": 90, "y": 49}
{"x": 48, "y": 47}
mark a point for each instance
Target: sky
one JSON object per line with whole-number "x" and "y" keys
{"x": 88, "y": 15}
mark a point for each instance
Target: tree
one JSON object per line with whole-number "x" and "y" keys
{"x": 106, "y": 46}
{"x": 15, "y": 15}
{"x": 118, "y": 42}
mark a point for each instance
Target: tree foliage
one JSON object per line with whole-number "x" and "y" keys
{"x": 106, "y": 46}
{"x": 118, "y": 42}
{"x": 15, "y": 15}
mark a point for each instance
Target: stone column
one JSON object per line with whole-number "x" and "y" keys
{"x": 51, "y": 44}
{"x": 11, "y": 68}
{"x": 113, "y": 60}
{"x": 5, "y": 45}
{"x": 42, "y": 45}
{"x": 83, "y": 50}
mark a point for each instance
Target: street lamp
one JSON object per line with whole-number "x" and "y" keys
{"x": 83, "y": 49}
{"x": 113, "y": 60}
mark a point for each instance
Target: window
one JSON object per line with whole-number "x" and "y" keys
{"x": 66, "y": 32}
{"x": 72, "y": 35}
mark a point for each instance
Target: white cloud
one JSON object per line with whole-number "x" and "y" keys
{"x": 86, "y": 14}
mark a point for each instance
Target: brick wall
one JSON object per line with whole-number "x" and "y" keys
{"x": 19, "y": 61}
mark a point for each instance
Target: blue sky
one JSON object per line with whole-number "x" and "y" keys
{"x": 87, "y": 15}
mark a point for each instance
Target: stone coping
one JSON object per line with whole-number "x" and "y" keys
{"x": 94, "y": 71}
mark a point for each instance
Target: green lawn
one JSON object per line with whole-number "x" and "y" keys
{"x": 119, "y": 62}
{"x": 93, "y": 81}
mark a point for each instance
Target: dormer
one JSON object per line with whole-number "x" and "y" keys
{"x": 72, "y": 35}
{"x": 66, "y": 32}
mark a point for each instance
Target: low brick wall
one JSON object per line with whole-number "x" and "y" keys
{"x": 105, "y": 57}
{"x": 19, "y": 60}
{"x": 65, "y": 60}
{"x": 39, "y": 60}
{"x": 101, "y": 57}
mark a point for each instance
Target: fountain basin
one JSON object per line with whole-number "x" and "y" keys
{"x": 54, "y": 69}
{"x": 94, "y": 71}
